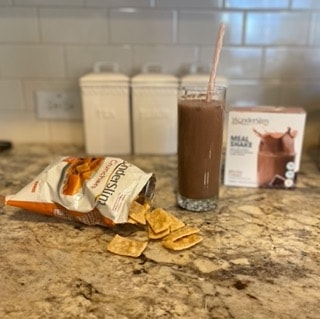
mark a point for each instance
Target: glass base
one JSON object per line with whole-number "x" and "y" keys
{"x": 197, "y": 205}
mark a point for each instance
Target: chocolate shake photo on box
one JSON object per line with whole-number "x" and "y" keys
{"x": 264, "y": 145}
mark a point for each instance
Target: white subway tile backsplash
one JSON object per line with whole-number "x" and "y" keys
{"x": 69, "y": 25}
{"x": 66, "y": 132}
{"x": 251, "y": 93}
{"x": 235, "y": 62}
{"x": 11, "y": 95}
{"x": 260, "y": 4}
{"x": 80, "y": 59}
{"x": 315, "y": 34}
{"x": 201, "y": 27}
{"x": 18, "y": 25}
{"x": 298, "y": 93}
{"x": 141, "y": 26}
{"x": 291, "y": 63}
{"x": 278, "y": 65}
{"x": 312, "y": 63}
{"x": 271, "y": 51}
{"x": 189, "y": 3}
{"x": 27, "y": 61}
{"x": 305, "y": 4}
{"x": 277, "y": 28}
{"x": 172, "y": 58}
{"x": 49, "y": 2}
{"x": 5, "y": 2}
{"x": 117, "y": 3}
{"x": 23, "y": 127}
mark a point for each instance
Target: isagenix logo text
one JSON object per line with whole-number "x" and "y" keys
{"x": 249, "y": 121}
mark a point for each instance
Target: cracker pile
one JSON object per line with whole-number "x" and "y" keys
{"x": 161, "y": 225}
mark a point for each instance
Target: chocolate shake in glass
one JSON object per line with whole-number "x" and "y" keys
{"x": 200, "y": 134}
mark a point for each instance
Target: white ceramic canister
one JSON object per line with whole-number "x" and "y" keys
{"x": 154, "y": 109}
{"x": 106, "y": 110}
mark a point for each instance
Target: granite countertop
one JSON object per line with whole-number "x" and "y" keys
{"x": 260, "y": 257}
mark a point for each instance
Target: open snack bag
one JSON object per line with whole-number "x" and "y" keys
{"x": 92, "y": 190}
{"x": 104, "y": 191}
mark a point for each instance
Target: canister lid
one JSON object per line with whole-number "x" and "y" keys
{"x": 152, "y": 78}
{"x": 149, "y": 77}
{"x": 99, "y": 76}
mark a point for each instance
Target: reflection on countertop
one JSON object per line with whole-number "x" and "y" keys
{"x": 260, "y": 257}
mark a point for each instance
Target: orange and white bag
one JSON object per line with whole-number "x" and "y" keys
{"x": 92, "y": 190}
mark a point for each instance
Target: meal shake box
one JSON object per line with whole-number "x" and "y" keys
{"x": 264, "y": 145}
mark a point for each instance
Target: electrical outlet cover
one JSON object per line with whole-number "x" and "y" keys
{"x": 58, "y": 105}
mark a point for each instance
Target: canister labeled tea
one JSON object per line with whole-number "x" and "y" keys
{"x": 106, "y": 110}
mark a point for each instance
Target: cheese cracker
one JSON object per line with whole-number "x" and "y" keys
{"x": 183, "y": 243}
{"x": 126, "y": 247}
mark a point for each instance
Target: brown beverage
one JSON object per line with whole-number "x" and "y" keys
{"x": 273, "y": 168}
{"x": 200, "y": 133}
{"x": 276, "y": 158}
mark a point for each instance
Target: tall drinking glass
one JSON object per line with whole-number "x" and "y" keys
{"x": 200, "y": 135}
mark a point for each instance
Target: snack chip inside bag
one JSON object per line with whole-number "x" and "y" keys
{"x": 92, "y": 190}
